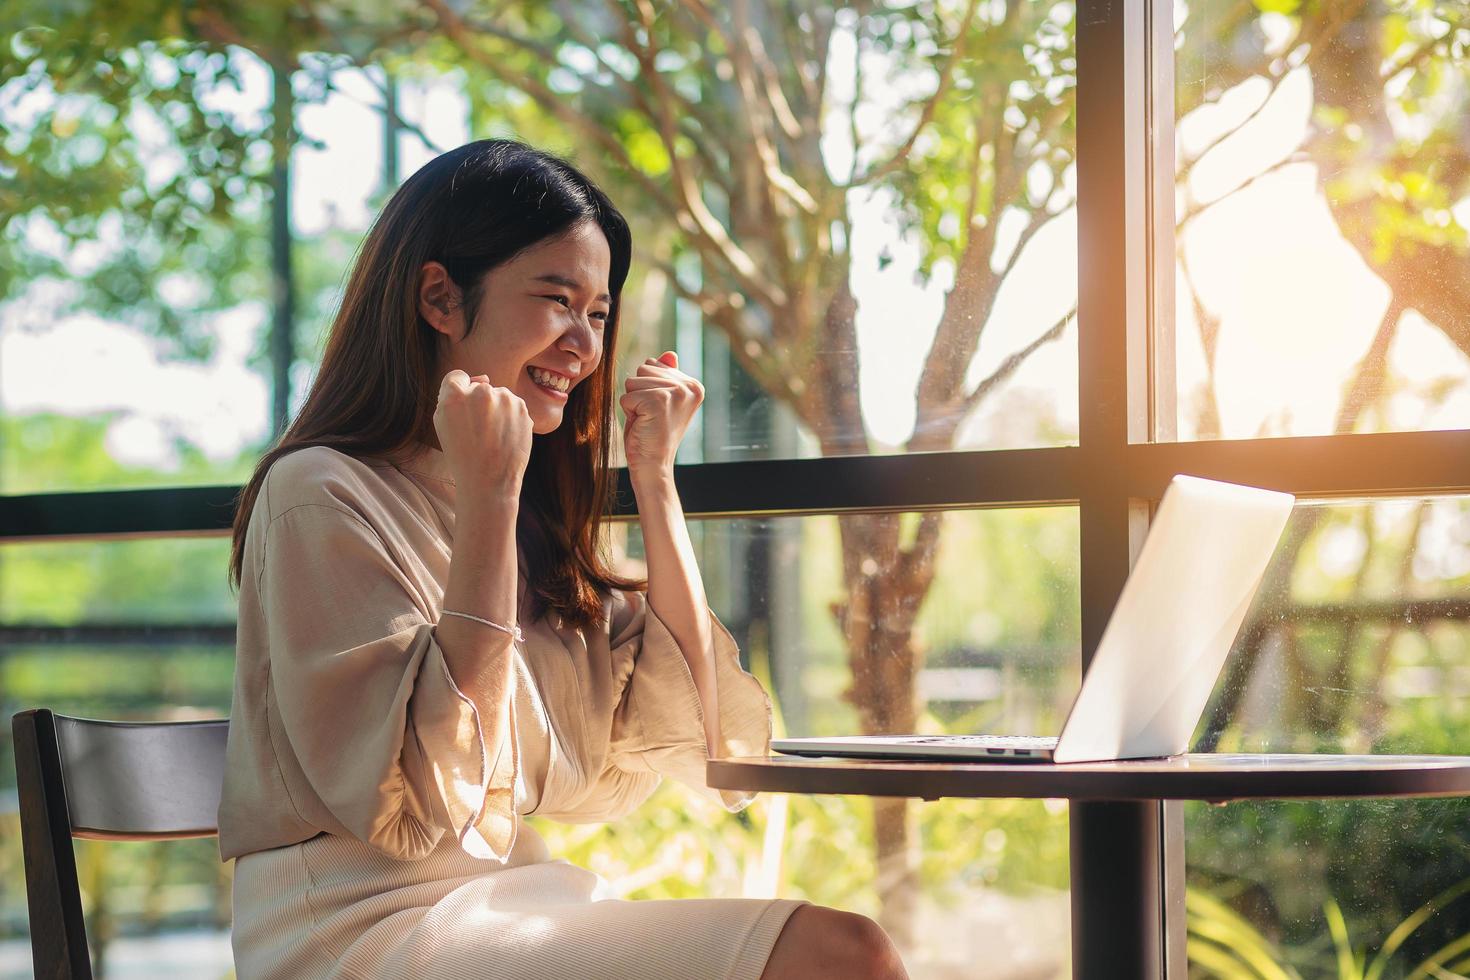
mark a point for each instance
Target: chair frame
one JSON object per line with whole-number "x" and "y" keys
{"x": 58, "y": 929}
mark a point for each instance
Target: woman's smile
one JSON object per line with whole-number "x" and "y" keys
{"x": 554, "y": 385}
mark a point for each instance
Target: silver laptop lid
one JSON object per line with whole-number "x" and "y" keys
{"x": 1175, "y": 621}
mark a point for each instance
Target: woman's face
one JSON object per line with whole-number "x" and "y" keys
{"x": 540, "y": 324}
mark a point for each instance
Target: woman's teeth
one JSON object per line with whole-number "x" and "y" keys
{"x": 548, "y": 380}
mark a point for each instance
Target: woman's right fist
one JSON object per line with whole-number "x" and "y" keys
{"x": 485, "y": 433}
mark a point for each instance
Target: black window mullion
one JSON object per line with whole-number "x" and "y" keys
{"x": 1118, "y": 164}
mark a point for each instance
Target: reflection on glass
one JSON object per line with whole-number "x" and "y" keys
{"x": 1323, "y": 200}
{"x": 1357, "y": 643}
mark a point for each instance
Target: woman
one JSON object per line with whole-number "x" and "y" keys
{"x": 431, "y": 642}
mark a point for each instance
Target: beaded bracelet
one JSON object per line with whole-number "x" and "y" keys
{"x": 514, "y": 631}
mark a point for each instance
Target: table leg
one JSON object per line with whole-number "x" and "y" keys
{"x": 1117, "y": 907}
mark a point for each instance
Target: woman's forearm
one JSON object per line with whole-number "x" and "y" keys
{"x": 675, "y": 589}
{"x": 482, "y": 582}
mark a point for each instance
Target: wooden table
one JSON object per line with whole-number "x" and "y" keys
{"x": 1118, "y": 900}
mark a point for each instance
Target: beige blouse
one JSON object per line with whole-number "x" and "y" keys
{"x": 346, "y": 720}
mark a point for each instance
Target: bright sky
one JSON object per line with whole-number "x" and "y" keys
{"x": 1297, "y": 305}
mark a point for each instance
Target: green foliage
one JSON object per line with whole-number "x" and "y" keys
{"x": 47, "y": 453}
{"x": 681, "y": 846}
{"x": 1278, "y": 6}
{"x": 1273, "y": 862}
{"x": 1002, "y": 144}
{"x": 1224, "y": 945}
{"x": 121, "y": 159}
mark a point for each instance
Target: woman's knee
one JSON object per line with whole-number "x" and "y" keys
{"x": 824, "y": 942}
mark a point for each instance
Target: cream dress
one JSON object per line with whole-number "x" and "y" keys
{"x": 373, "y": 809}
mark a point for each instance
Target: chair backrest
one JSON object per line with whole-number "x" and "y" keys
{"x": 103, "y": 780}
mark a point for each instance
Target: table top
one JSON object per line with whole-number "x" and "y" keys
{"x": 1213, "y": 777}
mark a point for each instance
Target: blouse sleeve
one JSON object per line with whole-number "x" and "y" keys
{"x": 658, "y": 725}
{"x": 386, "y": 740}
{"x": 614, "y": 794}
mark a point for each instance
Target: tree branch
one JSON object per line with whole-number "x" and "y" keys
{"x": 687, "y": 117}
{"x": 1315, "y": 42}
{"x": 705, "y": 232}
{"x": 458, "y": 31}
{"x": 1196, "y": 208}
{"x": 705, "y": 16}
{"x": 761, "y": 114}
{"x": 793, "y": 40}
{"x": 1039, "y": 218}
{"x": 402, "y": 123}
{"x": 1010, "y": 364}
{"x": 726, "y": 312}
{"x": 917, "y": 563}
{"x": 931, "y": 105}
{"x": 1367, "y": 383}
{"x": 214, "y": 28}
{"x": 697, "y": 217}
{"x": 853, "y": 135}
{"x": 775, "y": 95}
{"x": 969, "y": 302}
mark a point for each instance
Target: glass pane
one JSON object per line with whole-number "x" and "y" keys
{"x": 1357, "y": 643}
{"x": 139, "y": 258}
{"x": 995, "y": 645}
{"x": 143, "y": 629}
{"x": 134, "y": 353}
{"x": 122, "y": 630}
{"x": 916, "y": 248}
{"x": 860, "y": 231}
{"x": 1323, "y": 201}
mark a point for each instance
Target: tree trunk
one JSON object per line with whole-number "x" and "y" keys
{"x": 884, "y": 665}
{"x": 884, "y": 587}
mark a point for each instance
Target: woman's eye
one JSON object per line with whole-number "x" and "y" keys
{"x": 566, "y": 303}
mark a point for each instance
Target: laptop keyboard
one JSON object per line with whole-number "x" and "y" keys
{"x": 999, "y": 741}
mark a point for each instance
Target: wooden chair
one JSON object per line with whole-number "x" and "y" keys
{"x": 103, "y": 780}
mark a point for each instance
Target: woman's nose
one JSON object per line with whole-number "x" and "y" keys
{"x": 580, "y": 339}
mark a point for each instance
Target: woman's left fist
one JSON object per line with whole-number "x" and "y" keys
{"x": 659, "y": 403}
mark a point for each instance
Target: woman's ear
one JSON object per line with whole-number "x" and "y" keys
{"x": 439, "y": 300}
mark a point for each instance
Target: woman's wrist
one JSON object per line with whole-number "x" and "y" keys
{"x": 493, "y": 506}
{"x": 652, "y": 479}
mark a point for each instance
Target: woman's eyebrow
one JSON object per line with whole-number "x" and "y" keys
{"x": 569, "y": 283}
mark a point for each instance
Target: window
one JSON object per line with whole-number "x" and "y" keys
{"x": 1233, "y": 251}
{"x": 1356, "y": 644}
{"x": 1322, "y": 212}
{"x": 122, "y": 630}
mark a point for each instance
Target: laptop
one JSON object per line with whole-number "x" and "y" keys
{"x": 1160, "y": 653}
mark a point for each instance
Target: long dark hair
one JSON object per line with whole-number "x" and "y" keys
{"x": 470, "y": 209}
